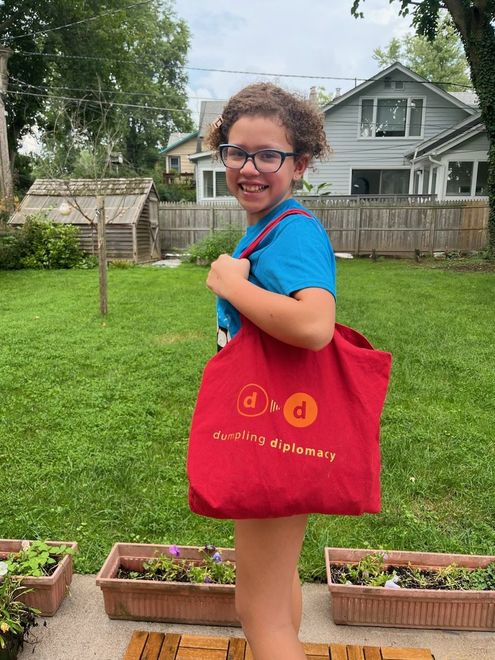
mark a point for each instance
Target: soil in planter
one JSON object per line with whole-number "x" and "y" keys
{"x": 451, "y": 578}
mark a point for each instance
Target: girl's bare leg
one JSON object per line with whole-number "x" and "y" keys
{"x": 268, "y": 592}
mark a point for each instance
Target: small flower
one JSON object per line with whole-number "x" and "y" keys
{"x": 217, "y": 557}
{"x": 4, "y": 627}
{"x": 174, "y": 551}
{"x": 4, "y": 569}
{"x": 25, "y": 545}
{"x": 210, "y": 548}
{"x": 208, "y": 579}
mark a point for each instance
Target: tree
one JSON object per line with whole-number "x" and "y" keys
{"x": 442, "y": 60}
{"x": 129, "y": 53}
{"x": 474, "y": 23}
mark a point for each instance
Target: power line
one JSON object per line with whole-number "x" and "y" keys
{"x": 84, "y": 20}
{"x": 46, "y": 88}
{"x": 249, "y": 73}
{"x": 98, "y": 101}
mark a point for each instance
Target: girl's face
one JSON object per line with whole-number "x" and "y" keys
{"x": 257, "y": 192}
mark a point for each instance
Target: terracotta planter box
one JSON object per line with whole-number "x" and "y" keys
{"x": 411, "y": 608}
{"x": 148, "y": 600}
{"x": 48, "y": 592}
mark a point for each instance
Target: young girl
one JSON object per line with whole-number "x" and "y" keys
{"x": 266, "y": 139}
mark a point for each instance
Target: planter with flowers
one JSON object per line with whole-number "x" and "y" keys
{"x": 184, "y": 584}
{"x": 16, "y": 618}
{"x": 44, "y": 570}
{"x": 411, "y": 589}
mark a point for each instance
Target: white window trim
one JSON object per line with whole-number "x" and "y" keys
{"x": 214, "y": 170}
{"x": 466, "y": 157}
{"x": 408, "y": 117}
{"x": 169, "y": 164}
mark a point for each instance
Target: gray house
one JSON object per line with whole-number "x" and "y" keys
{"x": 210, "y": 173}
{"x": 394, "y": 134}
{"x": 378, "y": 129}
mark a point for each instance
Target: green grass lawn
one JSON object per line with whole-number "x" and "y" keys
{"x": 94, "y": 414}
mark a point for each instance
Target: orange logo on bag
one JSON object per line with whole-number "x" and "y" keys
{"x": 300, "y": 409}
{"x": 252, "y": 400}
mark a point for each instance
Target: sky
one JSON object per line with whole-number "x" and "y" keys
{"x": 304, "y": 37}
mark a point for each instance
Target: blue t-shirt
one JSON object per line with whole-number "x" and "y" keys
{"x": 296, "y": 254}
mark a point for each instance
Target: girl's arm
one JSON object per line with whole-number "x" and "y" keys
{"x": 305, "y": 319}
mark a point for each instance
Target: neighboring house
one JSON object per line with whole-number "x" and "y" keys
{"x": 176, "y": 156}
{"x": 131, "y": 213}
{"x": 377, "y": 130}
{"x": 454, "y": 163}
{"x": 211, "y": 184}
{"x": 394, "y": 134}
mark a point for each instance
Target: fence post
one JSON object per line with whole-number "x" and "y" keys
{"x": 433, "y": 230}
{"x": 357, "y": 233}
{"x": 213, "y": 220}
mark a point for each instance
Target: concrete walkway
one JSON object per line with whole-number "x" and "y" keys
{"x": 81, "y": 630}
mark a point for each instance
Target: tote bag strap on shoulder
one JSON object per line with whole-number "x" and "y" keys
{"x": 252, "y": 246}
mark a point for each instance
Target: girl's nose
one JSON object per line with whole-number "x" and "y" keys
{"x": 248, "y": 167}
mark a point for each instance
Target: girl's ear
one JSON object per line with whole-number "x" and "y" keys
{"x": 300, "y": 166}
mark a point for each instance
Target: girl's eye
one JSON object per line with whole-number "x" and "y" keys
{"x": 235, "y": 154}
{"x": 268, "y": 156}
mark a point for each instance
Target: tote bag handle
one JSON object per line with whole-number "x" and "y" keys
{"x": 254, "y": 244}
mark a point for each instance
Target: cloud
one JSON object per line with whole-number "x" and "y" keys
{"x": 284, "y": 37}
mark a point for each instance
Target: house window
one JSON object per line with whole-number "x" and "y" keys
{"x": 214, "y": 184}
{"x": 380, "y": 182}
{"x": 391, "y": 117}
{"x": 482, "y": 179}
{"x": 174, "y": 164}
{"x": 460, "y": 178}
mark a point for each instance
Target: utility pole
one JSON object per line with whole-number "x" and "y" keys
{"x": 6, "y": 182}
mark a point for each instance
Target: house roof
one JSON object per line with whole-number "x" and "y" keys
{"x": 469, "y": 98}
{"x": 209, "y": 111}
{"x": 443, "y": 141}
{"x": 404, "y": 70}
{"x": 124, "y": 200}
{"x": 176, "y": 139}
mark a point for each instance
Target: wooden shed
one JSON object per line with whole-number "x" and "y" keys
{"x": 131, "y": 213}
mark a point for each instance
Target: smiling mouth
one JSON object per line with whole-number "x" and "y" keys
{"x": 251, "y": 188}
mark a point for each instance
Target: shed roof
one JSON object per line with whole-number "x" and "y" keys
{"x": 124, "y": 200}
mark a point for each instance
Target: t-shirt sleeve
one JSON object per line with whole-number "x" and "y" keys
{"x": 299, "y": 257}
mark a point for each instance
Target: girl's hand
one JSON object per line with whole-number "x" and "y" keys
{"x": 225, "y": 272}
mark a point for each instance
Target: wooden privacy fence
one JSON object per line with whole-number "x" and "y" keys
{"x": 359, "y": 227}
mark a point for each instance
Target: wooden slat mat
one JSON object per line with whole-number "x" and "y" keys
{"x": 171, "y": 646}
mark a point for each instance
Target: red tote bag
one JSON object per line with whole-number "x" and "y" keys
{"x": 279, "y": 430}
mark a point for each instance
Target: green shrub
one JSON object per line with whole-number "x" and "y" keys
{"x": 222, "y": 241}
{"x": 10, "y": 252}
{"x": 47, "y": 244}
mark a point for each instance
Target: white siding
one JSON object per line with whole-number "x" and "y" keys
{"x": 352, "y": 152}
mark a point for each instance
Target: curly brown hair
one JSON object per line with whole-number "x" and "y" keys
{"x": 301, "y": 119}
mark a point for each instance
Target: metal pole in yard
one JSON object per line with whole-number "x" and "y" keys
{"x": 102, "y": 254}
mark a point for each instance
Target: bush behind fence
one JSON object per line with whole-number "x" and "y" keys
{"x": 388, "y": 227}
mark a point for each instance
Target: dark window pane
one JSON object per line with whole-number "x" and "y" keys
{"x": 208, "y": 183}
{"x": 391, "y": 117}
{"x": 221, "y": 189}
{"x": 459, "y": 178}
{"x": 482, "y": 179}
{"x": 367, "y": 118}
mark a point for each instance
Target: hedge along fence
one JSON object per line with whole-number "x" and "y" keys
{"x": 396, "y": 228}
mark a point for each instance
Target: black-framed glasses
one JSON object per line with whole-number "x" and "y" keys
{"x": 266, "y": 161}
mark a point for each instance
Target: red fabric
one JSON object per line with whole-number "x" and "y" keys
{"x": 263, "y": 466}
{"x": 279, "y": 430}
